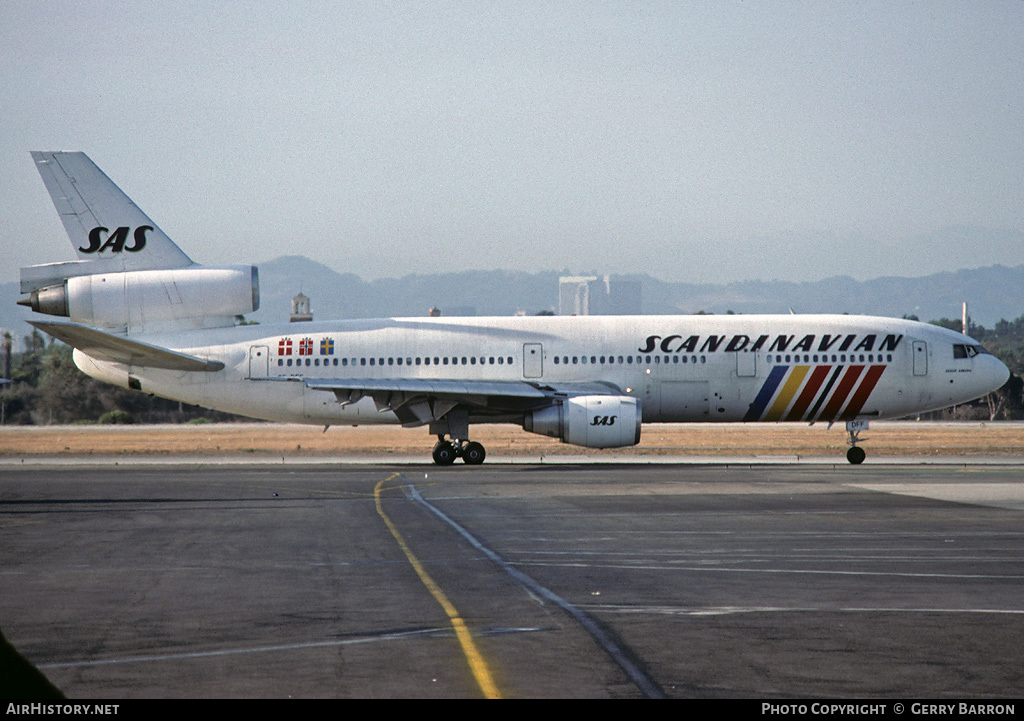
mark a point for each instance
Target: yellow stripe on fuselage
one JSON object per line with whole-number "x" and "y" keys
{"x": 793, "y": 383}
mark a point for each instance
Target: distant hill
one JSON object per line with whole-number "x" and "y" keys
{"x": 993, "y": 293}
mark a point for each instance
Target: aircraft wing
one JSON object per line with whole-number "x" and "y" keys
{"x": 417, "y": 401}
{"x": 118, "y": 349}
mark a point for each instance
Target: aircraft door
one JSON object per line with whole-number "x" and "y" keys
{"x": 259, "y": 361}
{"x": 533, "y": 360}
{"x": 920, "y": 358}
{"x": 684, "y": 401}
{"x": 746, "y": 364}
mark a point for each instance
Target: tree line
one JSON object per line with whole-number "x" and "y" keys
{"x": 47, "y": 388}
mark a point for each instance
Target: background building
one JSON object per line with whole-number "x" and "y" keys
{"x": 591, "y": 295}
{"x": 301, "y": 310}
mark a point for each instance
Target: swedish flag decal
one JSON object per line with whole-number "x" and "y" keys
{"x": 327, "y": 346}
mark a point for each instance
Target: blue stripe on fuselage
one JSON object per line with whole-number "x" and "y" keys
{"x": 766, "y": 393}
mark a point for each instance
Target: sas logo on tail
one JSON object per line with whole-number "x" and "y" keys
{"x": 116, "y": 241}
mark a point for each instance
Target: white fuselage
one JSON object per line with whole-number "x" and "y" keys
{"x": 808, "y": 368}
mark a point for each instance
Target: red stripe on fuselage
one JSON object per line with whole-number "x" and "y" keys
{"x": 863, "y": 391}
{"x": 846, "y": 384}
{"x": 807, "y": 394}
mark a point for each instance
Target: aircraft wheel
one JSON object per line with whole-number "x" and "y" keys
{"x": 855, "y": 455}
{"x": 445, "y": 453}
{"x": 473, "y": 453}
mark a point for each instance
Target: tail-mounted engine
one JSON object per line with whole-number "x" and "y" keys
{"x": 591, "y": 421}
{"x": 194, "y": 297}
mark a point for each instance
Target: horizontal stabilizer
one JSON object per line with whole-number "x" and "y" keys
{"x": 118, "y": 349}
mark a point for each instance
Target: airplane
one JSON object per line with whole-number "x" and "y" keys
{"x": 141, "y": 314}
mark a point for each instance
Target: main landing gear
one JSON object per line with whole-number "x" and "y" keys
{"x": 855, "y": 454}
{"x": 446, "y": 451}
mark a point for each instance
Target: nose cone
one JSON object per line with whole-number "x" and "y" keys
{"x": 994, "y": 372}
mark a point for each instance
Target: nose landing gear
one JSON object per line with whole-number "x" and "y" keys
{"x": 855, "y": 454}
{"x": 446, "y": 451}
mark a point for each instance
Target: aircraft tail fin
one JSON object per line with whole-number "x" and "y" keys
{"x": 103, "y": 223}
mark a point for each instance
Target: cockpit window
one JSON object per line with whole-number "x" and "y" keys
{"x": 961, "y": 350}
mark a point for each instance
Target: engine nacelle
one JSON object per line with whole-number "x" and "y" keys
{"x": 591, "y": 421}
{"x": 195, "y": 297}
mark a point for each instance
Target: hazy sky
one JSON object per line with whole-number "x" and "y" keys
{"x": 696, "y": 141}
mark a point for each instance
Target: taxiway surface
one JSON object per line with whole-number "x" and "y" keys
{"x": 682, "y": 580}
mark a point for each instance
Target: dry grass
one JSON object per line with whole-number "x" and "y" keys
{"x": 884, "y": 439}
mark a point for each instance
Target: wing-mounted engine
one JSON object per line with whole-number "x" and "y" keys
{"x": 146, "y": 300}
{"x": 591, "y": 421}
